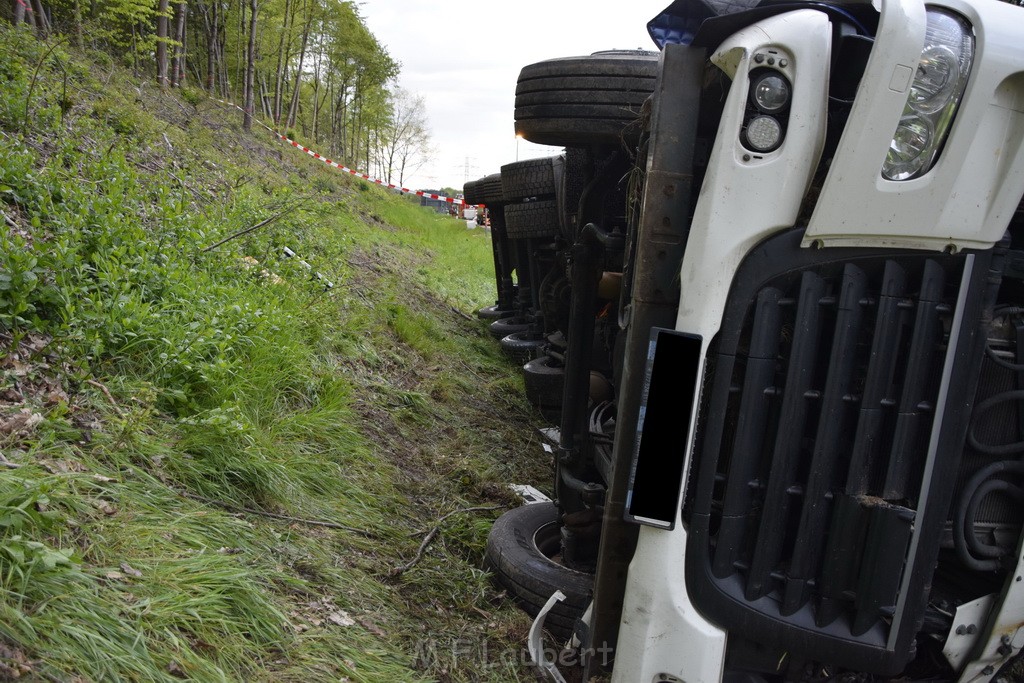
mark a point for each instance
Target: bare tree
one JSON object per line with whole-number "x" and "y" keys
{"x": 405, "y": 140}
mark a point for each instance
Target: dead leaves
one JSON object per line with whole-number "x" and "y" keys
{"x": 324, "y": 613}
{"x": 13, "y": 663}
{"x": 21, "y": 424}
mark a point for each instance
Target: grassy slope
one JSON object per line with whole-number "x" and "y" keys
{"x": 157, "y": 397}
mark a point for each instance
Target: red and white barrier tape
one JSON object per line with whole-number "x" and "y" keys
{"x": 340, "y": 167}
{"x": 22, "y": 3}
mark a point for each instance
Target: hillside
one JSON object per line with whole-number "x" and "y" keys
{"x": 216, "y": 467}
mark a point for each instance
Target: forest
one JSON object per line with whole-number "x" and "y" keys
{"x": 310, "y": 68}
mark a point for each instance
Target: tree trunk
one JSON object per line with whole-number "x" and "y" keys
{"x": 240, "y": 51}
{"x": 76, "y": 13}
{"x": 250, "y": 67}
{"x": 42, "y": 24}
{"x": 161, "y": 44}
{"x": 316, "y": 96}
{"x": 282, "y": 61}
{"x": 178, "y": 61}
{"x": 210, "y": 61}
{"x": 293, "y": 110}
{"x": 18, "y": 12}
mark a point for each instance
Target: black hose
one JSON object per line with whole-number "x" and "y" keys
{"x": 977, "y": 548}
{"x": 988, "y": 404}
{"x": 1016, "y": 367}
{"x": 967, "y": 505}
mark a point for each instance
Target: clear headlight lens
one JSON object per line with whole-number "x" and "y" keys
{"x": 771, "y": 93}
{"x": 934, "y": 96}
{"x": 907, "y": 151}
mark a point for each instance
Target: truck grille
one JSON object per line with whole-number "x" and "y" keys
{"x": 822, "y": 478}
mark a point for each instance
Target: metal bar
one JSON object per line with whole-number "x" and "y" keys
{"x": 829, "y": 448}
{"x": 916, "y": 407}
{"x": 803, "y": 359}
{"x": 748, "y": 443}
{"x": 878, "y": 385}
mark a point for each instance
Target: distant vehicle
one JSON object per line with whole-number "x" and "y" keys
{"x": 438, "y": 205}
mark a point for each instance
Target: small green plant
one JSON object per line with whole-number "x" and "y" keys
{"x": 23, "y": 284}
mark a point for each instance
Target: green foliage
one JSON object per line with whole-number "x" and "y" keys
{"x": 227, "y": 460}
{"x": 22, "y": 106}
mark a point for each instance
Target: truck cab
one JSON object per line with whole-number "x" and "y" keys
{"x": 808, "y": 463}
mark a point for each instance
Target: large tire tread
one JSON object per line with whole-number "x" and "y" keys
{"x": 544, "y": 382}
{"x": 532, "y": 219}
{"x": 489, "y": 189}
{"x": 584, "y": 100}
{"x": 530, "y": 178}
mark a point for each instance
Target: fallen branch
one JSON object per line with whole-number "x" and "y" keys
{"x": 431, "y": 535}
{"x": 9, "y": 221}
{"x": 464, "y": 315}
{"x": 259, "y": 225}
{"x": 273, "y": 515}
{"x": 106, "y": 392}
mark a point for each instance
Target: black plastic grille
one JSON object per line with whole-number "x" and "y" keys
{"x": 816, "y": 426}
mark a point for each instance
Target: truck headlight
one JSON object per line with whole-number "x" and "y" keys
{"x": 763, "y": 134}
{"x": 935, "y": 93}
{"x": 767, "y": 109}
{"x": 770, "y": 92}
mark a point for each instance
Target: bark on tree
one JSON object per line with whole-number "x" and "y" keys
{"x": 211, "y": 50}
{"x": 161, "y": 44}
{"x": 39, "y": 19}
{"x": 18, "y": 13}
{"x": 250, "y": 66}
{"x": 178, "y": 61}
{"x": 293, "y": 110}
{"x": 282, "y": 61}
{"x": 76, "y": 15}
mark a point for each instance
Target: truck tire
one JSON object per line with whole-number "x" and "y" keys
{"x": 493, "y": 313}
{"x": 530, "y": 178}
{"x": 488, "y": 191}
{"x": 470, "y": 192}
{"x": 574, "y": 181}
{"x": 579, "y": 101}
{"x": 544, "y": 381}
{"x": 535, "y": 219}
{"x": 519, "y": 551}
{"x": 521, "y": 347}
{"x": 505, "y": 326}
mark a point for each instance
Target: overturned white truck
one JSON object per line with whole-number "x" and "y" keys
{"x": 809, "y": 465}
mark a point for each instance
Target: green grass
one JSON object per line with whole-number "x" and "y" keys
{"x": 216, "y": 463}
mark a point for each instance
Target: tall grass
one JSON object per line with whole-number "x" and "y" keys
{"x": 219, "y": 461}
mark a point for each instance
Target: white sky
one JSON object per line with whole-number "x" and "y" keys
{"x": 464, "y": 57}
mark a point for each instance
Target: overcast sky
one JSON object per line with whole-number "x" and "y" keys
{"x": 464, "y": 56}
